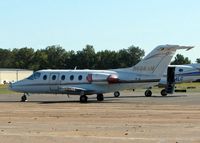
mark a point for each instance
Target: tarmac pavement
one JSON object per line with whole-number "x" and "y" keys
{"x": 129, "y": 118}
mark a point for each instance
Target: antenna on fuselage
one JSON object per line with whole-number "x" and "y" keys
{"x": 75, "y": 67}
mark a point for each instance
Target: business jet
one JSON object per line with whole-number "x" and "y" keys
{"x": 182, "y": 74}
{"x": 146, "y": 73}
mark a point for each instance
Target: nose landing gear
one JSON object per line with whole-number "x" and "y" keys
{"x": 100, "y": 97}
{"x": 24, "y": 97}
{"x": 148, "y": 93}
{"x": 83, "y": 99}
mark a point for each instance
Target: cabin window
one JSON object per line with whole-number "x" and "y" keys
{"x": 54, "y": 77}
{"x": 63, "y": 77}
{"x": 44, "y": 77}
{"x": 71, "y": 77}
{"x": 180, "y": 70}
{"x": 80, "y": 77}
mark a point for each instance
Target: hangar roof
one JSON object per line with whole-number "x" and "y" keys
{"x": 10, "y": 69}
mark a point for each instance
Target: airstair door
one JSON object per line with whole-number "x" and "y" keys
{"x": 170, "y": 80}
{"x": 54, "y": 82}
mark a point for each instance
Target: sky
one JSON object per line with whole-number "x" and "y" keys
{"x": 105, "y": 24}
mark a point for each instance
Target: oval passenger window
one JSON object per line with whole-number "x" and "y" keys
{"x": 53, "y": 77}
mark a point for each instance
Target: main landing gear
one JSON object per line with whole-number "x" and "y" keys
{"x": 148, "y": 93}
{"x": 163, "y": 92}
{"x": 84, "y": 98}
{"x": 100, "y": 97}
{"x": 116, "y": 93}
{"x": 24, "y": 97}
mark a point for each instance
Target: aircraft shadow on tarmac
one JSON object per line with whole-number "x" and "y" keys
{"x": 110, "y": 99}
{"x": 126, "y": 96}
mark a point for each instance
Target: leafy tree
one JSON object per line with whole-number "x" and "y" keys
{"x": 22, "y": 58}
{"x": 106, "y": 60}
{"x": 86, "y": 58}
{"x": 131, "y": 56}
{"x": 136, "y": 55}
{"x": 198, "y": 60}
{"x": 5, "y": 58}
{"x": 180, "y": 60}
{"x": 40, "y": 60}
{"x": 71, "y": 60}
{"x": 55, "y": 55}
{"x": 123, "y": 57}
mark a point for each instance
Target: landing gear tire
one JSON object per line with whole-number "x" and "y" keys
{"x": 148, "y": 93}
{"x": 163, "y": 92}
{"x": 23, "y": 98}
{"x": 116, "y": 93}
{"x": 83, "y": 98}
{"x": 100, "y": 97}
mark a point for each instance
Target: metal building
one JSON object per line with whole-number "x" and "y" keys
{"x": 12, "y": 75}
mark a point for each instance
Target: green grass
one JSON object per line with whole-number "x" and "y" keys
{"x": 191, "y": 84}
{"x": 190, "y": 87}
{"x": 4, "y": 89}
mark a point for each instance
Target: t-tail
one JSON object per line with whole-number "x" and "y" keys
{"x": 157, "y": 61}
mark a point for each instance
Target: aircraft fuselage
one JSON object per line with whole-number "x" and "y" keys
{"x": 70, "y": 81}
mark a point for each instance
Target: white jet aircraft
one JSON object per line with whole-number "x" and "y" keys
{"x": 183, "y": 73}
{"x": 146, "y": 73}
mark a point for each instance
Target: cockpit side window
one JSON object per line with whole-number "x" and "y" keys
{"x": 35, "y": 75}
{"x": 31, "y": 77}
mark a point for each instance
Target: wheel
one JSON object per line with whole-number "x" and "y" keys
{"x": 100, "y": 97}
{"x": 83, "y": 98}
{"x": 116, "y": 93}
{"x": 148, "y": 93}
{"x": 23, "y": 98}
{"x": 163, "y": 92}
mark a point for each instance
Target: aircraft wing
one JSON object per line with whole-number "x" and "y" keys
{"x": 76, "y": 90}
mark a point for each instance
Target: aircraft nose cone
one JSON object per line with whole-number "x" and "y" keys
{"x": 16, "y": 86}
{"x": 10, "y": 86}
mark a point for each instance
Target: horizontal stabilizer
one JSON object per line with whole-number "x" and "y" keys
{"x": 157, "y": 60}
{"x": 176, "y": 47}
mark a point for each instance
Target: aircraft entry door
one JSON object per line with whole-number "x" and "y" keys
{"x": 170, "y": 80}
{"x": 54, "y": 82}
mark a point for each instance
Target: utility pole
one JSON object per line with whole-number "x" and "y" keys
{"x": 17, "y": 75}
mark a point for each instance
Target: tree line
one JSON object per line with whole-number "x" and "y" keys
{"x": 56, "y": 57}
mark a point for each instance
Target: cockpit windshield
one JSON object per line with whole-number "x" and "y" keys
{"x": 35, "y": 75}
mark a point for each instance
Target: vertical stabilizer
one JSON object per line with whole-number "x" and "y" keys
{"x": 157, "y": 61}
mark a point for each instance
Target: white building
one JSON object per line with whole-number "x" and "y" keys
{"x": 12, "y": 75}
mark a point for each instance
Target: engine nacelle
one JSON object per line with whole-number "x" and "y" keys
{"x": 113, "y": 79}
{"x": 102, "y": 78}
